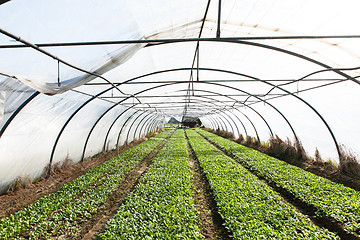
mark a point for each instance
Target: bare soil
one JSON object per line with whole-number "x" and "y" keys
{"x": 91, "y": 228}
{"x": 211, "y": 223}
{"x": 323, "y": 170}
{"x": 307, "y": 209}
{"x": 320, "y": 168}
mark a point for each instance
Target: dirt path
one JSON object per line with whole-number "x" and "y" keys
{"x": 97, "y": 224}
{"x": 211, "y": 223}
{"x": 306, "y": 209}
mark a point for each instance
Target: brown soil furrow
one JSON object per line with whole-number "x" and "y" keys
{"x": 97, "y": 224}
{"x": 307, "y": 209}
{"x": 211, "y": 223}
{"x": 17, "y": 199}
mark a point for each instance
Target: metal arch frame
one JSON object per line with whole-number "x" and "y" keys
{"x": 225, "y": 113}
{"x": 84, "y": 104}
{"x": 219, "y": 70}
{"x": 236, "y": 40}
{"x": 146, "y": 123}
{"x": 167, "y": 41}
{"x": 253, "y": 125}
{"x": 111, "y": 125}
{"x": 79, "y": 108}
{"x": 131, "y": 125}
{"x": 246, "y": 105}
{"x": 262, "y": 100}
{"x": 209, "y": 121}
{"x": 158, "y": 122}
{"x": 233, "y": 130}
{"x": 97, "y": 121}
{"x": 154, "y": 124}
{"x": 239, "y": 133}
{"x": 245, "y": 43}
{"x": 223, "y": 110}
{"x": 302, "y": 100}
{"x": 93, "y": 127}
{"x": 238, "y": 111}
{"x": 71, "y": 117}
{"x": 148, "y": 89}
{"x": 284, "y": 90}
{"x": 217, "y": 124}
{"x": 122, "y": 127}
{"x": 151, "y": 124}
{"x": 256, "y": 132}
{"x": 236, "y": 89}
{"x": 137, "y": 126}
{"x": 16, "y": 112}
{"x": 224, "y": 118}
{"x": 154, "y": 42}
{"x": 242, "y": 124}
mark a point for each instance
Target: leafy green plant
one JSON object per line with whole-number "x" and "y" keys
{"x": 40, "y": 211}
{"x": 249, "y": 207}
{"x": 331, "y": 199}
{"x": 161, "y": 206}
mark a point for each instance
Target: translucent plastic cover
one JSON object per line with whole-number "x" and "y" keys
{"x": 79, "y": 77}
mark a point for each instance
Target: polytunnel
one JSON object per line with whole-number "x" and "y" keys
{"x": 79, "y": 77}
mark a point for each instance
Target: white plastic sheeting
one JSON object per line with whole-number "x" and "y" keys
{"x": 276, "y": 67}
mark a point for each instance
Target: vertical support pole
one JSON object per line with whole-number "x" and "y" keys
{"x": 58, "y": 72}
{"x": 219, "y": 21}
{"x": 197, "y": 63}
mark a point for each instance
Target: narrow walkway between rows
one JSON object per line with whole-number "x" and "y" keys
{"x": 211, "y": 223}
{"x": 305, "y": 208}
{"x": 97, "y": 224}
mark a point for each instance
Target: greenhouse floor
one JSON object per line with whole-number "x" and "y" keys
{"x": 112, "y": 193}
{"x": 19, "y": 197}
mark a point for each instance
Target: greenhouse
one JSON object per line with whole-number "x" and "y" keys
{"x": 120, "y": 110}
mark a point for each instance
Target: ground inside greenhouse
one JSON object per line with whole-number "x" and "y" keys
{"x": 322, "y": 170}
{"x": 18, "y": 198}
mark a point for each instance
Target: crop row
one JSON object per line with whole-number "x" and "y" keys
{"x": 330, "y": 199}
{"x": 41, "y": 210}
{"x": 249, "y": 207}
{"x": 161, "y": 206}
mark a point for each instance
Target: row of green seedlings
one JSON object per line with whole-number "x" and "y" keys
{"x": 50, "y": 206}
{"x": 68, "y": 219}
{"x": 332, "y": 200}
{"x": 161, "y": 206}
{"x": 249, "y": 207}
